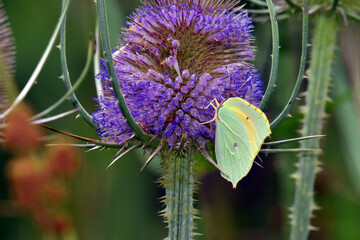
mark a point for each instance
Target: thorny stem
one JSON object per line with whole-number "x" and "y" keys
{"x": 323, "y": 48}
{"x": 73, "y": 88}
{"x": 178, "y": 181}
{"x": 65, "y": 74}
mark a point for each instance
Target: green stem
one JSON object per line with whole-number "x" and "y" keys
{"x": 324, "y": 42}
{"x": 334, "y": 6}
{"x": 98, "y": 85}
{"x": 65, "y": 74}
{"x": 73, "y": 88}
{"x": 178, "y": 181}
{"x": 300, "y": 77}
{"x": 105, "y": 43}
{"x": 40, "y": 65}
{"x": 275, "y": 56}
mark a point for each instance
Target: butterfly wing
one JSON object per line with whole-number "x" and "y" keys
{"x": 255, "y": 121}
{"x": 232, "y": 144}
{"x": 241, "y": 128}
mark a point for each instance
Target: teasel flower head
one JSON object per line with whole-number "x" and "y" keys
{"x": 6, "y": 42}
{"x": 7, "y": 61}
{"x": 174, "y": 58}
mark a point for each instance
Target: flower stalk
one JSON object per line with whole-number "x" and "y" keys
{"x": 178, "y": 181}
{"x": 324, "y": 42}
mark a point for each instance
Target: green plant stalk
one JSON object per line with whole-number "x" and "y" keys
{"x": 66, "y": 77}
{"x": 105, "y": 43}
{"x": 98, "y": 85}
{"x": 300, "y": 77}
{"x": 285, "y": 150}
{"x": 73, "y": 88}
{"x": 275, "y": 56}
{"x": 322, "y": 54}
{"x": 178, "y": 181}
{"x": 41, "y": 63}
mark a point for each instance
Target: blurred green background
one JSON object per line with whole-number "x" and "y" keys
{"x": 118, "y": 203}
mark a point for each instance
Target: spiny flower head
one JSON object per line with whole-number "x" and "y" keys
{"x": 7, "y": 61}
{"x": 175, "y": 57}
{"x": 6, "y": 42}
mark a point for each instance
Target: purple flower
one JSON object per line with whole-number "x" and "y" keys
{"x": 174, "y": 59}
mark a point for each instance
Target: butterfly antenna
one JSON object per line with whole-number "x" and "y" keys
{"x": 211, "y": 104}
{"x": 208, "y": 121}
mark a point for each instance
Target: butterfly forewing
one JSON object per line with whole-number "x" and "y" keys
{"x": 254, "y": 119}
{"x": 241, "y": 128}
{"x": 232, "y": 146}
